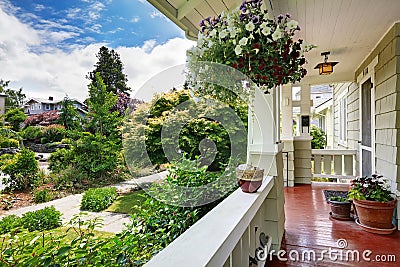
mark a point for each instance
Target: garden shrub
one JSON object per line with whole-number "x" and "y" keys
{"x": 41, "y": 196}
{"x": 44, "y": 119}
{"x": 9, "y": 223}
{"x": 68, "y": 179}
{"x": 318, "y": 138}
{"x": 31, "y": 133}
{"x": 43, "y": 219}
{"x": 98, "y": 199}
{"x": 96, "y": 155}
{"x": 53, "y": 133}
{"x": 170, "y": 110}
{"x": 8, "y": 142}
{"x": 60, "y": 159}
{"x": 23, "y": 170}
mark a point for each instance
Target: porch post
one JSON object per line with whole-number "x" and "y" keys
{"x": 265, "y": 151}
{"x": 302, "y": 143}
{"x": 287, "y": 135}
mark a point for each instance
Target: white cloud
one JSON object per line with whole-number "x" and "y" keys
{"x": 56, "y": 72}
{"x": 135, "y": 19}
{"x": 156, "y": 14}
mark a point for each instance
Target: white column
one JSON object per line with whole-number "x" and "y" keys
{"x": 305, "y": 105}
{"x": 302, "y": 143}
{"x": 287, "y": 135}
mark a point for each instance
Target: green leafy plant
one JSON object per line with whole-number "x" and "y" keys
{"x": 41, "y": 196}
{"x": 10, "y": 223}
{"x": 338, "y": 199}
{"x": 60, "y": 159}
{"x": 32, "y": 133}
{"x": 98, "y": 199}
{"x": 15, "y": 117}
{"x": 22, "y": 169}
{"x": 53, "y": 133}
{"x": 43, "y": 219}
{"x": 318, "y": 138}
{"x": 8, "y": 142}
{"x": 373, "y": 188}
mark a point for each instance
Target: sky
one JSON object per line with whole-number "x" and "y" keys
{"x": 47, "y": 47}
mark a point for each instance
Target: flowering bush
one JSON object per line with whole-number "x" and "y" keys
{"x": 259, "y": 46}
{"x": 373, "y": 188}
{"x": 44, "y": 119}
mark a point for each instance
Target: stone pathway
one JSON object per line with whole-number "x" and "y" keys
{"x": 69, "y": 206}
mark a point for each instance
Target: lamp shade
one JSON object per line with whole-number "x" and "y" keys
{"x": 325, "y": 68}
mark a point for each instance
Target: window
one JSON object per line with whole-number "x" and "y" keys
{"x": 343, "y": 119}
{"x": 47, "y": 106}
{"x": 32, "y": 106}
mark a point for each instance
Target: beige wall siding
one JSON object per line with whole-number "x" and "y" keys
{"x": 353, "y": 115}
{"x": 387, "y": 104}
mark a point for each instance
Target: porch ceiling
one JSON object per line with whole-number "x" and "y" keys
{"x": 349, "y": 29}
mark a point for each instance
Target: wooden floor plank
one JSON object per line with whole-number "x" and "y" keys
{"x": 308, "y": 227}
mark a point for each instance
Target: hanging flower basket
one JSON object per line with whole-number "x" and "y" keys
{"x": 251, "y": 41}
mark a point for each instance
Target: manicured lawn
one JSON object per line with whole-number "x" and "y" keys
{"x": 125, "y": 203}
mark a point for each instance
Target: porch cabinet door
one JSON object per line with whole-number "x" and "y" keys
{"x": 367, "y": 155}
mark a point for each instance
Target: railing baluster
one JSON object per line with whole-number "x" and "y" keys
{"x": 337, "y": 163}
{"x": 317, "y": 164}
{"x": 327, "y": 164}
{"x": 348, "y": 165}
{"x": 237, "y": 255}
{"x": 245, "y": 247}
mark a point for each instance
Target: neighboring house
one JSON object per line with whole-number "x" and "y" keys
{"x": 3, "y": 104}
{"x": 321, "y": 109}
{"x": 39, "y": 105}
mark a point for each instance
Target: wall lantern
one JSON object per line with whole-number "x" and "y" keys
{"x": 325, "y": 67}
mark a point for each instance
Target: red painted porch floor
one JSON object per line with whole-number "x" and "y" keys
{"x": 308, "y": 228}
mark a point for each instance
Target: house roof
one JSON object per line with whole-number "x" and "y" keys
{"x": 54, "y": 101}
{"x": 348, "y": 29}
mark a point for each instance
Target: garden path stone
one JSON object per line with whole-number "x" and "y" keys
{"x": 69, "y": 205}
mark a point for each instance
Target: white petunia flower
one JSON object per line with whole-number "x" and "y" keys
{"x": 266, "y": 31}
{"x": 213, "y": 33}
{"x": 250, "y": 26}
{"x": 210, "y": 43}
{"x": 243, "y": 41}
{"x": 263, "y": 25}
{"x": 277, "y": 34}
{"x": 292, "y": 24}
{"x": 233, "y": 33}
{"x": 238, "y": 50}
{"x": 223, "y": 34}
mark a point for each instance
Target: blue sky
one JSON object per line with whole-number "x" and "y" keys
{"x": 48, "y": 46}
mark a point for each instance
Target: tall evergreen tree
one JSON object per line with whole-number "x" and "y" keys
{"x": 110, "y": 68}
{"x": 68, "y": 115}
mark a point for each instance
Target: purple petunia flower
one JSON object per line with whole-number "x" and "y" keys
{"x": 288, "y": 15}
{"x": 255, "y": 19}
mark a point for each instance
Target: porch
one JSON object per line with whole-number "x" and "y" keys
{"x": 308, "y": 228}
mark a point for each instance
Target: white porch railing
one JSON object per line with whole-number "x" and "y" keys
{"x": 334, "y": 163}
{"x": 226, "y": 236}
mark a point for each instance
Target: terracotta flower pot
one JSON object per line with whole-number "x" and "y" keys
{"x": 375, "y": 214}
{"x": 340, "y": 210}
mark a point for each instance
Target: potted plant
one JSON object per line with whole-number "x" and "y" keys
{"x": 249, "y": 177}
{"x": 374, "y": 204}
{"x": 340, "y": 208}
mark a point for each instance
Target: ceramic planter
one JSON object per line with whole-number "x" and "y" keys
{"x": 340, "y": 210}
{"x": 249, "y": 178}
{"x": 375, "y": 214}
